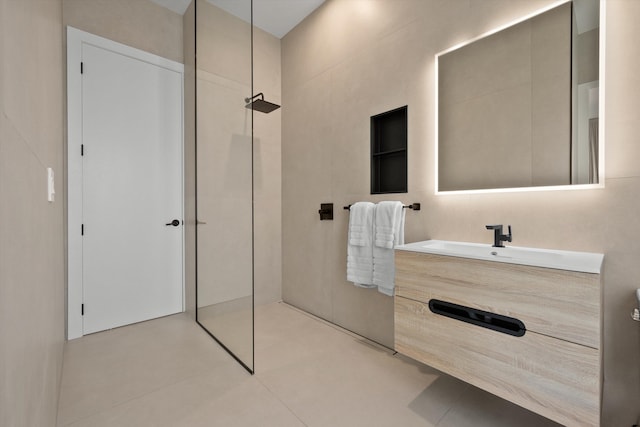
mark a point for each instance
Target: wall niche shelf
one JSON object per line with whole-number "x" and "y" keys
{"x": 389, "y": 152}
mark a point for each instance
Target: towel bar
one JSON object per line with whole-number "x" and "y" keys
{"x": 414, "y": 206}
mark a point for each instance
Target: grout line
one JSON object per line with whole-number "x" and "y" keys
{"x": 23, "y": 140}
{"x": 133, "y": 398}
{"x": 62, "y": 364}
{"x": 205, "y": 371}
{"x": 453, "y": 404}
{"x": 279, "y": 399}
{"x": 339, "y": 328}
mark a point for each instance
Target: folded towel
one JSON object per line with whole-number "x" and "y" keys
{"x": 389, "y": 224}
{"x": 389, "y": 232}
{"x": 360, "y": 244}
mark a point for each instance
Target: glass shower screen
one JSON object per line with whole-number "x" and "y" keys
{"x": 224, "y": 178}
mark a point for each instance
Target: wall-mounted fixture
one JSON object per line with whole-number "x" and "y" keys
{"x": 555, "y": 145}
{"x": 412, "y": 206}
{"x": 561, "y": 345}
{"x": 326, "y": 211}
{"x": 258, "y": 103}
{"x": 51, "y": 190}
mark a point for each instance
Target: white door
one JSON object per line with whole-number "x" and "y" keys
{"x": 131, "y": 154}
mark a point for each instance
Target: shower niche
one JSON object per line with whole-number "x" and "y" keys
{"x": 389, "y": 152}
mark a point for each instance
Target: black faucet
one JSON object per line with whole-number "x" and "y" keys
{"x": 498, "y": 237}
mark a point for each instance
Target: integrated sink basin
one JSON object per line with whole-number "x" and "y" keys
{"x": 548, "y": 258}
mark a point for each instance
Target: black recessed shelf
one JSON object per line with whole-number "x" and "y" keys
{"x": 389, "y": 152}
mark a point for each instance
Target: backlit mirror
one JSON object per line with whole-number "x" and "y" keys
{"x": 520, "y": 107}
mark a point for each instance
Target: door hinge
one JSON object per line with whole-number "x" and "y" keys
{"x": 82, "y": 149}
{"x": 82, "y": 309}
{"x": 81, "y": 67}
{"x": 82, "y": 230}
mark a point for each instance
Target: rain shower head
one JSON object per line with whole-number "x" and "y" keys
{"x": 260, "y": 104}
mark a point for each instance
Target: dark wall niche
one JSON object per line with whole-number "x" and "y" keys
{"x": 389, "y": 152}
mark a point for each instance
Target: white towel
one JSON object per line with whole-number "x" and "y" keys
{"x": 388, "y": 232}
{"x": 360, "y": 245}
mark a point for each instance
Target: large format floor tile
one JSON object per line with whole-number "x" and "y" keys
{"x": 169, "y": 372}
{"x": 109, "y": 368}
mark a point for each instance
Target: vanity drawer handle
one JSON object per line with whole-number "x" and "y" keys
{"x": 485, "y": 319}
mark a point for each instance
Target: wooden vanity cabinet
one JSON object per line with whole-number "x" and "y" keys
{"x": 554, "y": 369}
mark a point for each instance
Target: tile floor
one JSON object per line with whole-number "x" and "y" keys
{"x": 169, "y": 372}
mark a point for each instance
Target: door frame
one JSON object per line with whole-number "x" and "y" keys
{"x": 75, "y": 39}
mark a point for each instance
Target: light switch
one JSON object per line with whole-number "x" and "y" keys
{"x": 51, "y": 191}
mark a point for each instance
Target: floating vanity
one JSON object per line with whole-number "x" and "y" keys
{"x": 521, "y": 323}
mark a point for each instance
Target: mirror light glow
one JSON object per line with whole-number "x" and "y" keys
{"x": 601, "y": 152}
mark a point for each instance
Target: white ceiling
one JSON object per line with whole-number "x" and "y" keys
{"x": 277, "y": 17}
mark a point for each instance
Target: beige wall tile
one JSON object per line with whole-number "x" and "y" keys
{"x": 224, "y": 189}
{"x": 225, "y": 158}
{"x": 621, "y": 107}
{"x": 588, "y": 48}
{"x": 32, "y": 244}
{"x": 514, "y": 85}
{"x": 189, "y": 46}
{"x": 267, "y": 170}
{"x": 348, "y": 83}
{"x": 224, "y": 44}
{"x": 141, "y": 24}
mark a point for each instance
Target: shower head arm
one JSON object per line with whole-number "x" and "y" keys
{"x": 248, "y": 100}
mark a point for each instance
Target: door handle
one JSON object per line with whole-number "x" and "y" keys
{"x": 175, "y": 223}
